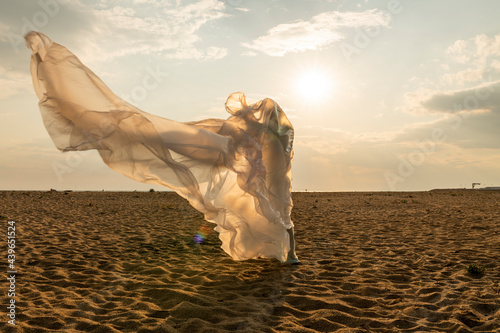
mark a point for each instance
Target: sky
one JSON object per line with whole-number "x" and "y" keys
{"x": 395, "y": 95}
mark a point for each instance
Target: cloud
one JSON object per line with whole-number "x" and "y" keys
{"x": 109, "y": 29}
{"x": 103, "y": 31}
{"x": 461, "y": 144}
{"x": 416, "y": 157}
{"x": 476, "y": 99}
{"x": 468, "y": 79}
{"x": 169, "y": 31}
{"x": 472, "y": 59}
{"x": 319, "y": 32}
{"x": 482, "y": 97}
{"x": 475, "y": 49}
{"x": 468, "y": 118}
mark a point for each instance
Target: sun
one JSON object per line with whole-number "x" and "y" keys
{"x": 315, "y": 86}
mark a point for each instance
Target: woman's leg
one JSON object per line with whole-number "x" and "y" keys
{"x": 292, "y": 257}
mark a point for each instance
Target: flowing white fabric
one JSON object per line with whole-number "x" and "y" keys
{"x": 237, "y": 172}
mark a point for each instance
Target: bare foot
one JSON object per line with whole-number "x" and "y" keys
{"x": 292, "y": 260}
{"x": 292, "y": 257}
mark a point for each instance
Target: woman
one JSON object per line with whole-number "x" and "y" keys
{"x": 237, "y": 172}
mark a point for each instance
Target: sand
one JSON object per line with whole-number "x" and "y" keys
{"x": 371, "y": 262}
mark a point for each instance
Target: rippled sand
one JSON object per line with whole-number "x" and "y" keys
{"x": 371, "y": 262}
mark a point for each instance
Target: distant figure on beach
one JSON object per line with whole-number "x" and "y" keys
{"x": 237, "y": 171}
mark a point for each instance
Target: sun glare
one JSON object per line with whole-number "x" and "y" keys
{"x": 314, "y": 86}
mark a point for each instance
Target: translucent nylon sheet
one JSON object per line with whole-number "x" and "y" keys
{"x": 237, "y": 171}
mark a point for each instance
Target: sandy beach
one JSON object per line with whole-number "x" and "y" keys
{"x": 371, "y": 262}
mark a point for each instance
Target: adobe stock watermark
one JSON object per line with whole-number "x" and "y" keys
{"x": 11, "y": 271}
{"x": 410, "y": 162}
{"x": 48, "y": 10}
{"x": 150, "y": 81}
{"x": 364, "y": 37}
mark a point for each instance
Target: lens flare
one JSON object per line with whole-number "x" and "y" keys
{"x": 202, "y": 234}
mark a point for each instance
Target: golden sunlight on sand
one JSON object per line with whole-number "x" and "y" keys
{"x": 371, "y": 262}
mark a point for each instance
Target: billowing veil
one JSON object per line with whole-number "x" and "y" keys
{"x": 237, "y": 172}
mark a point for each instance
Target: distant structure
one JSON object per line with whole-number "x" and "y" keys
{"x": 486, "y": 188}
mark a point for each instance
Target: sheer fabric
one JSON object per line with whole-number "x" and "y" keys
{"x": 237, "y": 171}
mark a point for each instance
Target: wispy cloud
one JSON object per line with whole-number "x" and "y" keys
{"x": 468, "y": 79}
{"x": 109, "y": 29}
{"x": 471, "y": 59}
{"x": 102, "y": 31}
{"x": 154, "y": 28}
{"x": 476, "y": 49}
{"x": 319, "y": 32}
